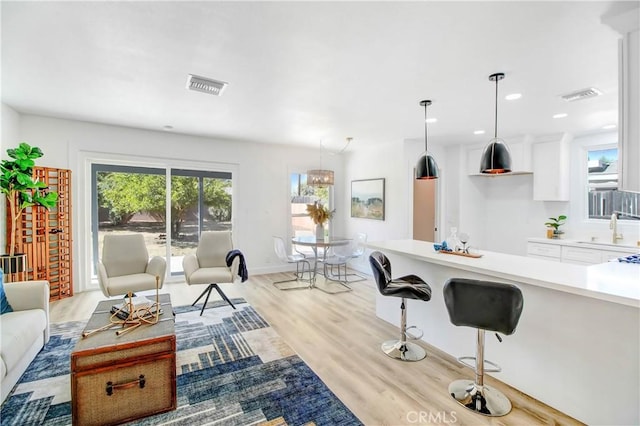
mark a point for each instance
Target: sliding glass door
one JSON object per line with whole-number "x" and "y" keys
{"x": 200, "y": 201}
{"x": 129, "y": 199}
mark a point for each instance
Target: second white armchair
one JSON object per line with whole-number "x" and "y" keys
{"x": 209, "y": 265}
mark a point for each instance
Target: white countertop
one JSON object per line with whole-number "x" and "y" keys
{"x": 613, "y": 281}
{"x": 600, "y": 245}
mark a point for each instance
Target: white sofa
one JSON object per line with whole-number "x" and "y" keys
{"x": 24, "y": 331}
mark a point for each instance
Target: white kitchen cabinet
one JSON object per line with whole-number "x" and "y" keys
{"x": 627, "y": 23}
{"x": 473, "y": 160}
{"x": 551, "y": 169}
{"x": 544, "y": 251}
{"x": 576, "y": 253}
{"x": 520, "y": 150}
{"x": 521, "y": 155}
{"x": 581, "y": 256}
{"x": 608, "y": 255}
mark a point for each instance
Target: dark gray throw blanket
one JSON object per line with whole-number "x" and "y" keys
{"x": 242, "y": 269}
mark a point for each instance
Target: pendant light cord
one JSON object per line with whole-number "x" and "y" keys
{"x": 495, "y": 127}
{"x": 425, "y": 127}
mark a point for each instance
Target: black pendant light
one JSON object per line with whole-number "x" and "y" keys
{"x": 496, "y": 158}
{"x": 426, "y": 167}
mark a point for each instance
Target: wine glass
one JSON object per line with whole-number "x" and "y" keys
{"x": 464, "y": 239}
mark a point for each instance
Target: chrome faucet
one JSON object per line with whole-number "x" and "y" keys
{"x": 613, "y": 225}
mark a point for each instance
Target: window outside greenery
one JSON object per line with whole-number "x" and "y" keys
{"x": 133, "y": 200}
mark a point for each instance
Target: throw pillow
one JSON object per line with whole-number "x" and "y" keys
{"x": 4, "y": 303}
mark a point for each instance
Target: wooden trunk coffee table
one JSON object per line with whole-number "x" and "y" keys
{"x": 115, "y": 379}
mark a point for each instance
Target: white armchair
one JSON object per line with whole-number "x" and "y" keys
{"x": 209, "y": 265}
{"x": 126, "y": 266}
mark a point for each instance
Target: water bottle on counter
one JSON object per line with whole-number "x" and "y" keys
{"x": 453, "y": 242}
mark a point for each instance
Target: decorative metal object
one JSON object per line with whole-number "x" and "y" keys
{"x": 426, "y": 167}
{"x": 134, "y": 317}
{"x": 496, "y": 158}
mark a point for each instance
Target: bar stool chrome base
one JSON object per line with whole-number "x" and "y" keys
{"x": 487, "y": 400}
{"x": 406, "y": 351}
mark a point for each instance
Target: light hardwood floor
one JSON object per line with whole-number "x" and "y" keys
{"x": 339, "y": 337}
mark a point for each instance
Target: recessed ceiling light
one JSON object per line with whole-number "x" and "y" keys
{"x": 513, "y": 96}
{"x": 168, "y": 128}
{"x": 478, "y": 132}
{"x": 432, "y": 120}
{"x": 560, "y": 115}
{"x": 609, "y": 126}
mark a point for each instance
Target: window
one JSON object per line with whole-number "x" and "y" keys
{"x": 604, "y": 197}
{"x": 301, "y": 195}
{"x": 128, "y": 199}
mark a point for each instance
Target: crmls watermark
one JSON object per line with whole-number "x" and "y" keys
{"x": 430, "y": 417}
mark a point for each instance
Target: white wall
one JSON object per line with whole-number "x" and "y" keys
{"x": 261, "y": 184}
{"x": 393, "y": 161}
{"x": 9, "y": 131}
{"x": 498, "y": 213}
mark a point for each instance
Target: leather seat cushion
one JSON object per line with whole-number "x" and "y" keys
{"x": 410, "y": 286}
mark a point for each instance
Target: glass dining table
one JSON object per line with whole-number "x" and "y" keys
{"x": 320, "y": 247}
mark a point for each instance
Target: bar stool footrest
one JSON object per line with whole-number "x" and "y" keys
{"x": 413, "y": 336}
{"x": 493, "y": 367}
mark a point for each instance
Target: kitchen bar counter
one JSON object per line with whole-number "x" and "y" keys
{"x": 614, "y": 281}
{"x": 577, "y": 346}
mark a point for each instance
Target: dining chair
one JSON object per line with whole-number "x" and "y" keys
{"x": 298, "y": 259}
{"x": 339, "y": 258}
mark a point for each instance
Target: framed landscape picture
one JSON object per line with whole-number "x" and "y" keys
{"x": 367, "y": 198}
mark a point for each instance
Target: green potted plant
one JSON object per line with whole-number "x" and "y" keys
{"x": 22, "y": 191}
{"x": 553, "y": 226}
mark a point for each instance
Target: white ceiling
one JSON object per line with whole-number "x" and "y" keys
{"x": 305, "y": 72}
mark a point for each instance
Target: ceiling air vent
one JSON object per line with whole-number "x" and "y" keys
{"x": 206, "y": 85}
{"x": 582, "y": 94}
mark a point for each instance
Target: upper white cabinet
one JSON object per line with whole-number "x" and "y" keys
{"x": 520, "y": 150}
{"x": 627, "y": 24}
{"x": 551, "y": 169}
{"x": 473, "y": 160}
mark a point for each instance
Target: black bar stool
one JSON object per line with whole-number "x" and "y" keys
{"x": 483, "y": 305}
{"x": 410, "y": 286}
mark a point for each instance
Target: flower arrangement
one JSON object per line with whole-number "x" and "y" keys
{"x": 319, "y": 213}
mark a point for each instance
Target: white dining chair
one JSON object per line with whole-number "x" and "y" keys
{"x": 299, "y": 260}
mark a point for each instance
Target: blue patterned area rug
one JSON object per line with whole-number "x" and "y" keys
{"x": 232, "y": 369}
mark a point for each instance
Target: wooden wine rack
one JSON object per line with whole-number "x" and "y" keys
{"x": 45, "y": 235}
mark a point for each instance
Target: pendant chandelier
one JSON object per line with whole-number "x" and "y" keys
{"x": 426, "y": 167}
{"x": 320, "y": 177}
{"x": 496, "y": 158}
